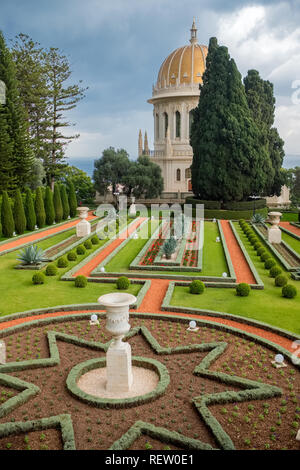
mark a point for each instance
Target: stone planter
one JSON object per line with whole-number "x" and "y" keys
{"x": 118, "y": 356}
{"x": 83, "y": 228}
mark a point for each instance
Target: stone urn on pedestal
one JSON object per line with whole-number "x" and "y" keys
{"x": 274, "y": 233}
{"x": 118, "y": 356}
{"x": 83, "y": 228}
{"x": 132, "y": 208}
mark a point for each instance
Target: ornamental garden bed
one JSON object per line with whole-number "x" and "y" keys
{"x": 204, "y": 368}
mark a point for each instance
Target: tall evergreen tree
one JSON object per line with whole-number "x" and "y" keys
{"x": 261, "y": 101}
{"x": 64, "y": 201}
{"x": 72, "y": 199}
{"x": 49, "y": 207}
{"x": 16, "y": 119}
{"x": 58, "y": 209}
{"x": 19, "y": 213}
{"x": 39, "y": 208}
{"x": 8, "y": 177}
{"x": 29, "y": 211}
{"x": 228, "y": 163}
{"x": 7, "y": 220}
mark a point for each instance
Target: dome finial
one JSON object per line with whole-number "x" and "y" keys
{"x": 193, "y": 39}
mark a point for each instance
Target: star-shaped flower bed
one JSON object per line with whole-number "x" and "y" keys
{"x": 221, "y": 391}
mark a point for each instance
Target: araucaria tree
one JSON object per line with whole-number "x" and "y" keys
{"x": 261, "y": 101}
{"x": 19, "y": 213}
{"x": 15, "y": 152}
{"x": 229, "y": 162}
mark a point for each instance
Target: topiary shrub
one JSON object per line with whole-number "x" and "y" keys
{"x": 123, "y": 283}
{"x": 19, "y": 213}
{"x": 62, "y": 262}
{"x": 257, "y": 245}
{"x": 275, "y": 270}
{"x": 270, "y": 263}
{"x": 196, "y": 287}
{"x": 80, "y": 250}
{"x": 289, "y": 291}
{"x": 72, "y": 256}
{"x": 81, "y": 281}
{"x": 95, "y": 240}
{"x": 38, "y": 278}
{"x": 265, "y": 256}
{"x": 88, "y": 244}
{"x": 51, "y": 270}
{"x": 260, "y": 251}
{"x": 243, "y": 289}
{"x": 281, "y": 280}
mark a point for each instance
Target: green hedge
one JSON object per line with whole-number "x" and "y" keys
{"x": 232, "y": 215}
{"x": 215, "y": 205}
{"x": 245, "y": 205}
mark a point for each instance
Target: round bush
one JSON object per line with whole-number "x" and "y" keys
{"x": 243, "y": 289}
{"x": 257, "y": 245}
{"x": 95, "y": 240}
{"x": 197, "y": 287}
{"x": 270, "y": 263}
{"x": 51, "y": 270}
{"x": 281, "y": 280}
{"x": 275, "y": 270}
{"x": 62, "y": 262}
{"x": 88, "y": 244}
{"x": 265, "y": 256}
{"x": 260, "y": 251}
{"x": 252, "y": 239}
{"x": 81, "y": 281}
{"x": 38, "y": 278}
{"x": 80, "y": 250}
{"x": 289, "y": 291}
{"x": 123, "y": 283}
{"x": 72, "y": 256}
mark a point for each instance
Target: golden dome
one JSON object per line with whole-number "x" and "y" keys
{"x": 185, "y": 65}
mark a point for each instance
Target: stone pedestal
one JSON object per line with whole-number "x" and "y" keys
{"x": 118, "y": 356}
{"x": 2, "y": 352}
{"x": 274, "y": 233}
{"x": 132, "y": 208}
{"x": 83, "y": 228}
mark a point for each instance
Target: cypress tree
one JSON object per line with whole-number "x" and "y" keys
{"x": 17, "y": 125}
{"x": 228, "y": 161}
{"x": 7, "y": 168}
{"x": 72, "y": 200}
{"x": 49, "y": 207}
{"x": 58, "y": 209}
{"x": 19, "y": 213}
{"x": 29, "y": 211}
{"x": 65, "y": 202}
{"x": 39, "y": 208}
{"x": 261, "y": 101}
{"x": 7, "y": 220}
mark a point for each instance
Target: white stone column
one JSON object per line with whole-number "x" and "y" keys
{"x": 118, "y": 356}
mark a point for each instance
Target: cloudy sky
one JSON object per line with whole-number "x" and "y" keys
{"x": 116, "y": 47}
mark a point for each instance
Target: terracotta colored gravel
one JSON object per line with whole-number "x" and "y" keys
{"x": 241, "y": 268}
{"x": 91, "y": 265}
{"x": 290, "y": 227}
{"x": 41, "y": 235}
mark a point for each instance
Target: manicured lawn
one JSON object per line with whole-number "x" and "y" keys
{"x": 291, "y": 241}
{"x": 264, "y": 305}
{"x": 214, "y": 262}
{"x": 17, "y": 293}
{"x": 289, "y": 217}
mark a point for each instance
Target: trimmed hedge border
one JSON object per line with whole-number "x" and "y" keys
{"x": 63, "y": 421}
{"x": 280, "y": 258}
{"x": 251, "y": 390}
{"x": 80, "y": 369}
{"x": 259, "y": 284}
{"x": 232, "y": 215}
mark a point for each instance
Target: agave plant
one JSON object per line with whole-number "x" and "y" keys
{"x": 31, "y": 255}
{"x": 258, "y": 219}
{"x": 169, "y": 247}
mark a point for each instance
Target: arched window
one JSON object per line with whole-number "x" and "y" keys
{"x": 178, "y": 174}
{"x": 166, "y": 123}
{"x": 187, "y": 173}
{"x": 157, "y": 126}
{"x": 191, "y": 118}
{"x": 178, "y": 123}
